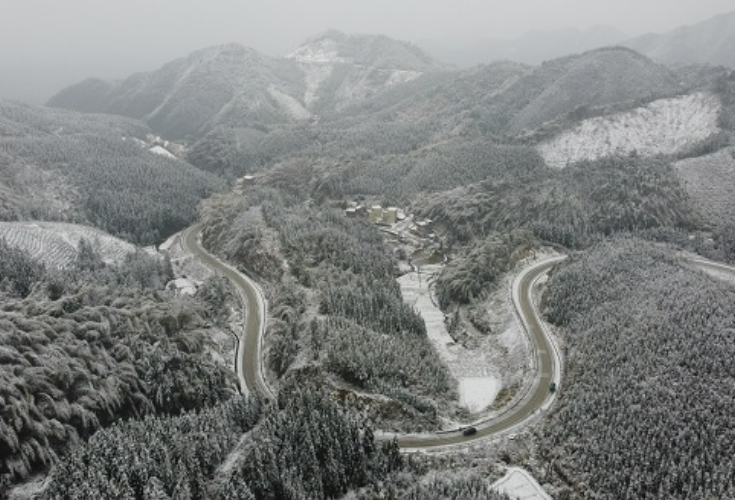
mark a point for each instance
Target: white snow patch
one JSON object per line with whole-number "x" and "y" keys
{"x": 477, "y": 393}
{"x": 520, "y": 485}
{"x": 666, "y": 126}
{"x": 163, "y": 247}
{"x": 183, "y": 286}
{"x": 402, "y": 76}
{"x": 56, "y": 243}
{"x": 315, "y": 75}
{"x": 415, "y": 289}
{"x": 160, "y": 150}
{"x": 322, "y": 51}
{"x": 479, "y": 383}
{"x": 293, "y": 107}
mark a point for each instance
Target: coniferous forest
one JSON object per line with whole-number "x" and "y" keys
{"x": 647, "y": 407}
{"x": 371, "y": 167}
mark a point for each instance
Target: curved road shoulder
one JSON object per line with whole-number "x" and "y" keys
{"x": 250, "y": 344}
{"x": 546, "y": 354}
{"x": 547, "y": 364}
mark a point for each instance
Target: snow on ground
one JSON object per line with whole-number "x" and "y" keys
{"x": 316, "y": 75}
{"x": 725, "y": 276}
{"x": 183, "y": 263}
{"x": 665, "y": 126}
{"x": 183, "y": 286}
{"x": 293, "y": 107}
{"x": 477, "y": 393}
{"x": 56, "y": 243}
{"x": 402, "y": 76}
{"x": 160, "y": 150}
{"x": 415, "y": 289}
{"x": 483, "y": 364}
{"x": 478, "y": 381}
{"x": 325, "y": 50}
{"x": 190, "y": 274}
{"x": 520, "y": 485}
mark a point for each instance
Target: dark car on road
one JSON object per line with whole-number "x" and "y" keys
{"x": 469, "y": 431}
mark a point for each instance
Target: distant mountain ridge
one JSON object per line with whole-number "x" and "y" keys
{"x": 236, "y": 86}
{"x": 533, "y": 47}
{"x": 711, "y": 42}
{"x": 510, "y": 98}
{"x": 708, "y": 42}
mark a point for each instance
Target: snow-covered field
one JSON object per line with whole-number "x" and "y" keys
{"x": 477, "y": 393}
{"x": 520, "y": 485}
{"x": 486, "y": 363}
{"x": 477, "y": 370}
{"x": 56, "y": 243}
{"x": 666, "y": 126}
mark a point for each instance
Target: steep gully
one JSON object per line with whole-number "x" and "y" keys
{"x": 547, "y": 359}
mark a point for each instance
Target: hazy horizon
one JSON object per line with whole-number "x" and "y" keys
{"x": 49, "y": 45}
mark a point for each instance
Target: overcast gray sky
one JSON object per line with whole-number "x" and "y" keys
{"x": 115, "y": 37}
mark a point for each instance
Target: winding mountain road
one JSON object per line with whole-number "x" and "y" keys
{"x": 547, "y": 360}
{"x": 249, "y": 349}
{"x": 250, "y": 343}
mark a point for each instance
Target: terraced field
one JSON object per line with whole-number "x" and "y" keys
{"x": 56, "y": 244}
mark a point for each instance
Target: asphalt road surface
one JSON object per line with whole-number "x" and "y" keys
{"x": 250, "y": 344}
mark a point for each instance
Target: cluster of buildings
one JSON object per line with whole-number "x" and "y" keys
{"x": 375, "y": 214}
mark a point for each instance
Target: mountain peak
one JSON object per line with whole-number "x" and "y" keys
{"x": 322, "y": 48}
{"x": 378, "y": 51}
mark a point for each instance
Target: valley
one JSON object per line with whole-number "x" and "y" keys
{"x": 356, "y": 272}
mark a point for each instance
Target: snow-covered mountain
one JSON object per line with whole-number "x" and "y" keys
{"x": 341, "y": 70}
{"x": 236, "y": 86}
{"x": 711, "y": 41}
{"x": 665, "y": 126}
{"x": 532, "y": 47}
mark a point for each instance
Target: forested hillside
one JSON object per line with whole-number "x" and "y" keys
{"x": 572, "y": 207}
{"x": 646, "y": 410}
{"x": 236, "y": 87}
{"x": 670, "y": 127}
{"x": 468, "y": 157}
{"x": 64, "y": 166}
{"x": 338, "y": 306}
{"x": 304, "y": 448}
{"x": 83, "y": 350}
